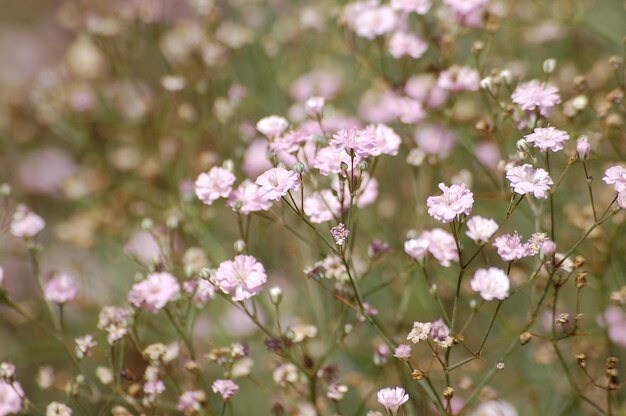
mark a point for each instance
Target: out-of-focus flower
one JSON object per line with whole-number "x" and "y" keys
{"x": 615, "y": 320}
{"x": 322, "y": 206}
{"x": 361, "y": 142}
{"x": 200, "y": 290}
{"x": 272, "y": 126}
{"x": 491, "y": 283}
{"x": 459, "y": 78}
{"x": 153, "y": 293}
{"x": 61, "y": 288}
{"x": 406, "y": 44}
{"x": 214, "y": 184}
{"x": 547, "y": 138}
{"x": 336, "y": 391}
{"x": 403, "y": 352}
{"x": 58, "y": 409}
{"x": 616, "y": 176}
{"x": 115, "y": 321}
{"x": 455, "y": 200}
{"x": 391, "y": 398}
{"x": 191, "y": 401}
{"x": 495, "y": 408}
{"x": 25, "y": 223}
{"x": 84, "y": 345}
{"x": 435, "y": 139}
{"x": 481, "y": 229}
{"x": 408, "y": 6}
{"x": 247, "y": 198}
{"x": 467, "y": 12}
{"x": 387, "y": 141}
{"x": 286, "y": 374}
{"x": 241, "y": 278}
{"x": 374, "y": 21}
{"x": 10, "y": 398}
{"x": 527, "y": 180}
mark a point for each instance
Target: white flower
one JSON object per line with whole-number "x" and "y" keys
{"x": 420, "y": 332}
{"x": 481, "y": 229}
{"x": 391, "y": 398}
{"x": 491, "y": 283}
{"x": 58, "y": 409}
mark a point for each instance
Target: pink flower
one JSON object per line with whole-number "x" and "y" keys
{"x": 255, "y": 159}
{"x": 547, "y": 138}
{"x": 225, "y": 388}
{"x": 289, "y": 142}
{"x": 272, "y": 126}
{"x": 615, "y": 320}
{"x": 361, "y": 142}
{"x": 214, "y": 184}
{"x": 408, "y": 6}
{"x": 621, "y": 200}
{"x": 374, "y": 21}
{"x": 153, "y": 293}
{"x": 387, "y": 141}
{"x": 336, "y": 391}
{"x": 314, "y": 106}
{"x": 10, "y": 398}
{"x": 439, "y": 332}
{"x": 200, "y": 290}
{"x": 322, "y": 206}
{"x": 115, "y": 321}
{"x": 481, "y": 229}
{"x": 242, "y": 278}
{"x": 467, "y": 12}
{"x": 247, "y": 198}
{"x": 25, "y": 223}
{"x": 435, "y": 139}
{"x": 153, "y": 387}
{"x": 417, "y": 248}
{"x": 406, "y": 44}
{"x": 403, "y": 352}
{"x": 407, "y": 110}
{"x": 391, "y": 398}
{"x": 495, "y": 408}
{"x": 328, "y": 160}
{"x": 491, "y": 283}
{"x": 276, "y": 183}
{"x": 527, "y": 180}
{"x": 61, "y": 289}
{"x": 424, "y": 88}
{"x": 536, "y": 95}
{"x": 583, "y": 148}
{"x": 616, "y": 176}
{"x": 459, "y": 78}
{"x": 455, "y": 200}
{"x": 488, "y": 154}
{"x": 510, "y": 247}
{"x": 441, "y": 245}
{"x": 191, "y": 401}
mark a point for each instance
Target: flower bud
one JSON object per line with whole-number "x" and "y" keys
{"x": 240, "y": 246}
{"x": 5, "y": 189}
{"x": 583, "y": 149}
{"x": 314, "y": 106}
{"x": 172, "y": 222}
{"x": 506, "y": 76}
{"x": 229, "y": 165}
{"x": 298, "y": 167}
{"x": 344, "y": 166}
{"x": 362, "y": 165}
{"x": 147, "y": 224}
{"x": 276, "y": 295}
{"x": 548, "y": 249}
{"x": 486, "y": 84}
{"x": 549, "y": 65}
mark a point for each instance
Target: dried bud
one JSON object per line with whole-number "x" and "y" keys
{"x": 615, "y": 62}
{"x": 611, "y": 363}
{"x": 192, "y": 366}
{"x": 581, "y": 280}
{"x": 579, "y": 261}
{"x": 525, "y": 338}
{"x": 417, "y": 374}
{"x": 500, "y": 366}
{"x": 563, "y": 318}
{"x": 448, "y": 393}
{"x": 581, "y": 360}
{"x": 478, "y": 47}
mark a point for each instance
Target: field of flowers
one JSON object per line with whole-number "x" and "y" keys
{"x": 312, "y": 207}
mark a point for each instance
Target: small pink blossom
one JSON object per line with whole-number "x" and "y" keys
{"x": 615, "y": 320}
{"x": 61, "y": 289}
{"x": 153, "y": 387}
{"x": 455, "y": 200}
{"x": 391, "y": 398}
{"x": 488, "y": 154}
{"x": 459, "y": 78}
{"x": 407, "y": 110}
{"x": 336, "y": 391}
{"x": 408, "y": 6}
{"x": 322, "y": 206}
{"x": 214, "y": 184}
{"x": 242, "y": 278}
{"x": 153, "y": 293}
{"x": 289, "y": 142}
{"x": 200, "y": 290}
{"x": 536, "y": 95}
{"x": 387, "y": 141}
{"x": 247, "y": 198}
{"x": 616, "y": 176}
{"x": 527, "y": 180}
{"x": 328, "y": 160}
{"x": 491, "y": 283}
{"x": 495, "y": 408}
{"x": 361, "y": 142}
{"x": 481, "y": 229}
{"x": 374, "y": 21}
{"x": 272, "y": 126}
{"x": 276, "y": 183}
{"x": 511, "y": 247}
{"x": 424, "y": 88}
{"x": 437, "y": 242}
{"x": 417, "y": 248}
{"x": 10, "y": 398}
{"x": 191, "y": 401}
{"x": 547, "y": 138}
{"x": 435, "y": 139}
{"x": 25, "y": 223}
{"x": 467, "y": 12}
{"x": 406, "y": 44}
{"x": 225, "y": 388}
{"x": 403, "y": 352}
